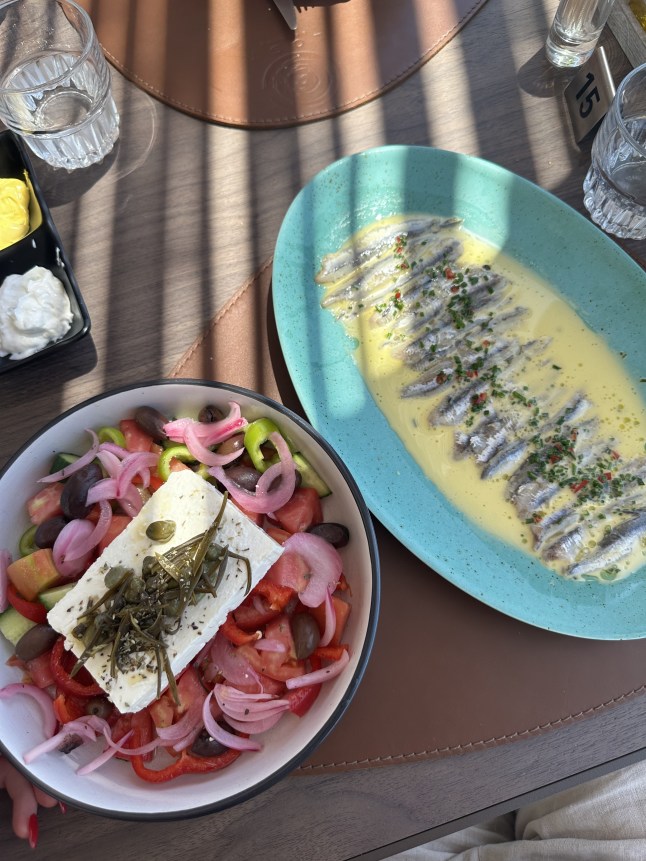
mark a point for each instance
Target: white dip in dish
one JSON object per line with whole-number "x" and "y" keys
{"x": 34, "y": 310}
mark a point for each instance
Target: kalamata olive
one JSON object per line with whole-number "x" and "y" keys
{"x": 35, "y": 642}
{"x": 234, "y": 443}
{"x": 210, "y": 413}
{"x": 47, "y": 531}
{"x": 244, "y": 476}
{"x": 335, "y": 534}
{"x": 306, "y": 634}
{"x": 152, "y": 422}
{"x": 98, "y": 706}
{"x": 76, "y": 489}
{"x": 161, "y": 530}
{"x": 204, "y": 745}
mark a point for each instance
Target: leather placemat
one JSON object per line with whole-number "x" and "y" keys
{"x": 237, "y": 62}
{"x": 447, "y": 674}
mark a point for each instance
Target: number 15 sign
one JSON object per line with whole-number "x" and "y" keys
{"x": 589, "y": 94}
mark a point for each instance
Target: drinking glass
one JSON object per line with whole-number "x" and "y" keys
{"x": 575, "y": 31}
{"x": 55, "y": 85}
{"x": 615, "y": 186}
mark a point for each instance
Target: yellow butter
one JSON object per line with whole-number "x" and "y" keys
{"x": 14, "y": 211}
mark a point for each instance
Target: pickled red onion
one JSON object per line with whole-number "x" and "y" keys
{"x": 318, "y": 676}
{"x": 42, "y": 698}
{"x": 81, "y": 546}
{"x": 228, "y": 739}
{"x": 324, "y": 562}
{"x": 73, "y": 532}
{"x": 205, "y": 455}
{"x": 208, "y": 433}
{"x": 330, "y": 620}
{"x": 135, "y": 464}
{"x": 71, "y": 468}
{"x": 264, "y": 500}
{"x": 255, "y": 726}
{"x": 233, "y": 666}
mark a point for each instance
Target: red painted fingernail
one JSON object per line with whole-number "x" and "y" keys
{"x": 33, "y": 830}
{"x": 62, "y": 807}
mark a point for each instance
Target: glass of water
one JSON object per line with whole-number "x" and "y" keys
{"x": 575, "y": 31}
{"x": 615, "y": 186}
{"x": 55, "y": 85}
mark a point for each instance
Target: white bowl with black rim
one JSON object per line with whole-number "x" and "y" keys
{"x": 114, "y": 789}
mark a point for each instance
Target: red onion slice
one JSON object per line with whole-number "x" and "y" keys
{"x": 185, "y": 725}
{"x": 263, "y": 500}
{"x": 256, "y": 726}
{"x": 235, "y": 742}
{"x": 70, "y": 535}
{"x": 324, "y": 562}
{"x": 85, "y": 544}
{"x": 5, "y": 562}
{"x": 42, "y": 698}
{"x": 114, "y": 449}
{"x": 111, "y": 750}
{"x": 318, "y": 676}
{"x": 110, "y": 462}
{"x": 330, "y": 620}
{"x": 135, "y": 464}
{"x": 205, "y": 455}
{"x": 233, "y": 666}
{"x": 87, "y": 728}
{"x": 71, "y": 468}
{"x": 208, "y": 433}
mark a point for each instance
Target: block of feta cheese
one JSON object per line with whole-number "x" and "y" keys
{"x": 192, "y": 504}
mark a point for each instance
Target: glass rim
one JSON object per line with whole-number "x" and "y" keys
{"x": 8, "y": 91}
{"x": 641, "y": 149}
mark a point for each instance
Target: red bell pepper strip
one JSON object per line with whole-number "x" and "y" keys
{"x": 60, "y": 659}
{"x": 235, "y": 634}
{"x": 186, "y": 763}
{"x": 32, "y": 610}
{"x": 278, "y": 597}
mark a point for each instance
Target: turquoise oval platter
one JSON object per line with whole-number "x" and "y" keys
{"x": 604, "y": 285}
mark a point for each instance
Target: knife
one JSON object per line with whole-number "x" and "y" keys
{"x": 288, "y": 11}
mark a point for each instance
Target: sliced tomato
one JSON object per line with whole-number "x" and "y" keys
{"x": 40, "y": 671}
{"x": 32, "y": 610}
{"x": 342, "y": 611}
{"x": 279, "y": 666}
{"x": 165, "y": 711}
{"x": 329, "y": 653}
{"x": 301, "y": 699}
{"x": 117, "y": 525}
{"x": 254, "y": 516}
{"x": 279, "y": 535}
{"x": 290, "y": 569}
{"x": 46, "y": 503}
{"x": 136, "y": 438}
{"x": 278, "y": 597}
{"x": 302, "y": 511}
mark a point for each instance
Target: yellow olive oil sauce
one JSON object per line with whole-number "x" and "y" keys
{"x": 575, "y": 360}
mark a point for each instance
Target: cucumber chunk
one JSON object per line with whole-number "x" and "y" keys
{"x": 13, "y": 625}
{"x": 49, "y": 597}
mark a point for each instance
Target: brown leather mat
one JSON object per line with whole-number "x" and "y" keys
{"x": 237, "y": 62}
{"x": 447, "y": 674}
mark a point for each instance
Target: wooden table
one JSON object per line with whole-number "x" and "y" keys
{"x": 160, "y": 237}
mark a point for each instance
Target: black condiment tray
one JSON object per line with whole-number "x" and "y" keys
{"x": 42, "y": 246}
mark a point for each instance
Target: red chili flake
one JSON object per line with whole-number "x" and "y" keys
{"x": 471, "y": 374}
{"x": 575, "y": 488}
{"x": 455, "y": 288}
{"x": 615, "y": 455}
{"x": 441, "y": 378}
{"x": 554, "y": 458}
{"x": 479, "y": 399}
{"x": 449, "y": 273}
{"x": 398, "y": 294}
{"x": 608, "y": 476}
{"x": 486, "y": 343}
